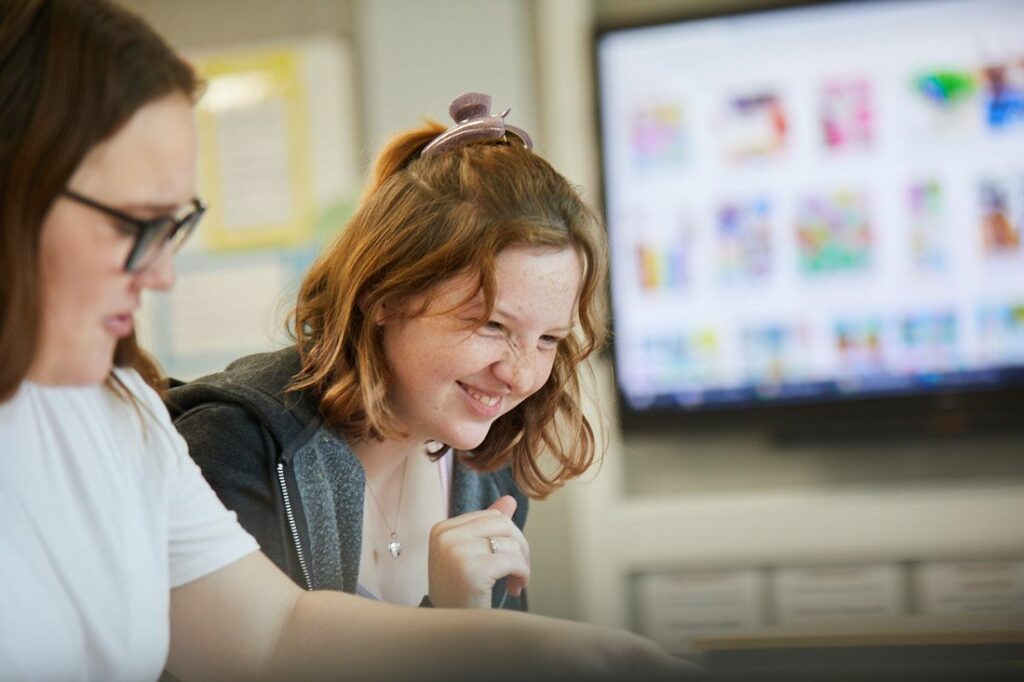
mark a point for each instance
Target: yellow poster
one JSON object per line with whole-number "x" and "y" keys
{"x": 256, "y": 162}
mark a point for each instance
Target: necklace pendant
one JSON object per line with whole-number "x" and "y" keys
{"x": 394, "y": 547}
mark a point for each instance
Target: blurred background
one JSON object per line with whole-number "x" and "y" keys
{"x": 813, "y": 407}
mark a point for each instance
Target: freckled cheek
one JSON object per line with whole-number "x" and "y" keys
{"x": 542, "y": 374}
{"x": 434, "y": 378}
{"x": 468, "y": 359}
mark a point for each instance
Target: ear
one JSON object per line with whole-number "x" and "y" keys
{"x": 380, "y": 315}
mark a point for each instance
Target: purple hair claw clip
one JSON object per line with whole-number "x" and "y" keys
{"x": 474, "y": 122}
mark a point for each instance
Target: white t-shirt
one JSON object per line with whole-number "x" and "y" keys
{"x": 102, "y": 512}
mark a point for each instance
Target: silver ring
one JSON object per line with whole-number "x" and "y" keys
{"x": 494, "y": 545}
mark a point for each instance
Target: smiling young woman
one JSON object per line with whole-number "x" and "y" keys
{"x": 433, "y": 386}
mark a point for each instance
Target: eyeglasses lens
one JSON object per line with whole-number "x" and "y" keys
{"x": 170, "y": 232}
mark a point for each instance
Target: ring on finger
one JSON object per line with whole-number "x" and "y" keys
{"x": 493, "y": 542}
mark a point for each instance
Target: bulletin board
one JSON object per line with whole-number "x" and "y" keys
{"x": 279, "y": 170}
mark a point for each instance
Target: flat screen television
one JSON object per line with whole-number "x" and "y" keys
{"x": 817, "y": 211}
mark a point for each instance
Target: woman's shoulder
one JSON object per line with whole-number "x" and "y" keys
{"x": 131, "y": 381}
{"x": 222, "y": 432}
{"x": 250, "y": 394}
{"x": 258, "y": 383}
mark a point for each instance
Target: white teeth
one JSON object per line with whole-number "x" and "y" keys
{"x": 487, "y": 400}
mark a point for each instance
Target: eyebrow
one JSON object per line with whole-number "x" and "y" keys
{"x": 510, "y": 316}
{"x": 155, "y": 209}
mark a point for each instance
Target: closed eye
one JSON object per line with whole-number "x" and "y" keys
{"x": 125, "y": 227}
{"x": 549, "y": 341}
{"x": 132, "y": 228}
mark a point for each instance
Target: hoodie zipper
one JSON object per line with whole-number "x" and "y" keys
{"x": 292, "y": 526}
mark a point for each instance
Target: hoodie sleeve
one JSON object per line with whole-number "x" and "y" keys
{"x": 507, "y": 486}
{"x": 230, "y": 449}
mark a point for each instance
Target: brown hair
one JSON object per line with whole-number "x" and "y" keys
{"x": 72, "y": 73}
{"x": 421, "y": 222}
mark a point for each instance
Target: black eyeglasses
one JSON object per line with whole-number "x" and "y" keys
{"x": 150, "y": 235}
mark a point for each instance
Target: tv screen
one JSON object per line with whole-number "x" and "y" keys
{"x": 820, "y": 203}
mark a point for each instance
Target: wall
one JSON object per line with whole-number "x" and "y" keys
{"x": 192, "y": 24}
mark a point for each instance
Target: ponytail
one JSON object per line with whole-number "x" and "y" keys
{"x": 398, "y": 153}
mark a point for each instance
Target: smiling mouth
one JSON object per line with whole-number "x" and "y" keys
{"x": 482, "y": 398}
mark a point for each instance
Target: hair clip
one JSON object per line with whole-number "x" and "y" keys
{"x": 474, "y": 122}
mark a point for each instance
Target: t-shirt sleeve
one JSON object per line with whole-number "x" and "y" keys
{"x": 203, "y": 535}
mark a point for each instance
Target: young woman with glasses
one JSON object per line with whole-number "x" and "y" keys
{"x": 115, "y": 556}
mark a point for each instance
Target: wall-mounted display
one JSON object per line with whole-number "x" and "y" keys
{"x": 822, "y": 203}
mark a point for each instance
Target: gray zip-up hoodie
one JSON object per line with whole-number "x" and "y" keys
{"x": 292, "y": 479}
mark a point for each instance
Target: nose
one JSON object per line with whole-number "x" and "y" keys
{"x": 159, "y": 274}
{"x": 516, "y": 369}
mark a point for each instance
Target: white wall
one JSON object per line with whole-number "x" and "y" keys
{"x": 418, "y": 56}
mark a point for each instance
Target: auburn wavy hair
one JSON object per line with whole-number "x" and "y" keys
{"x": 421, "y": 222}
{"x": 72, "y": 73}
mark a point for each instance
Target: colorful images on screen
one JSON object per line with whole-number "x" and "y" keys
{"x": 658, "y": 135}
{"x": 1003, "y": 94}
{"x": 680, "y": 361}
{"x": 744, "y": 241}
{"x": 928, "y": 235}
{"x": 946, "y": 89}
{"x": 755, "y": 127}
{"x": 859, "y": 346}
{"x": 847, "y": 115}
{"x": 663, "y": 259}
{"x": 927, "y": 342}
{"x": 1000, "y": 223}
{"x": 1001, "y": 334}
{"x": 834, "y": 234}
{"x": 944, "y": 103}
{"x": 774, "y": 354}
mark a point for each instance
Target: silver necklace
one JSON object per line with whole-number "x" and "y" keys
{"x": 394, "y": 547}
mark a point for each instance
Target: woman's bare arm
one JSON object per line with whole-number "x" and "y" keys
{"x": 248, "y": 620}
